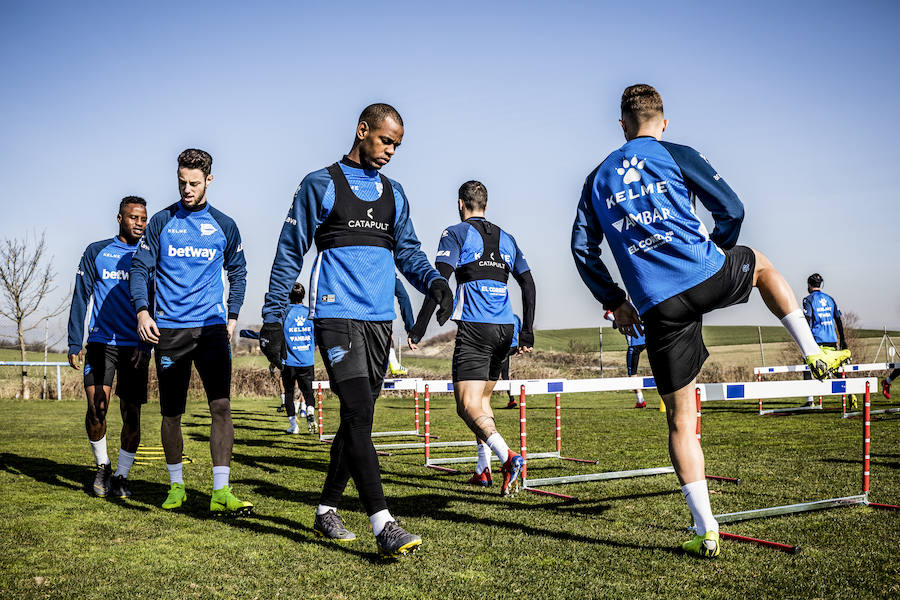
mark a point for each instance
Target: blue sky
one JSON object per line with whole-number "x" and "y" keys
{"x": 794, "y": 104}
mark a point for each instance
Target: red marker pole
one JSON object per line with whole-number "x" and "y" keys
{"x": 427, "y": 426}
{"x": 768, "y": 544}
{"x": 558, "y": 426}
{"x": 321, "y": 416}
{"x": 416, "y": 408}
{"x": 867, "y": 407}
{"x": 523, "y": 442}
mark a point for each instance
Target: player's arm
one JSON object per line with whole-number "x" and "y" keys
{"x": 85, "y": 276}
{"x": 428, "y": 307}
{"x": 406, "y": 311}
{"x": 808, "y": 311}
{"x": 235, "y": 265}
{"x": 839, "y": 324}
{"x": 143, "y": 267}
{"x": 521, "y": 272}
{"x": 413, "y": 263}
{"x": 710, "y": 188}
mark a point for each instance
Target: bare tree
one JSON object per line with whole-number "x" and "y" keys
{"x": 26, "y": 279}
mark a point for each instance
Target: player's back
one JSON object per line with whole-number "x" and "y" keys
{"x": 820, "y": 310}
{"x": 299, "y": 336}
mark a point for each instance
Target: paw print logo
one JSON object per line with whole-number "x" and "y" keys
{"x": 630, "y": 170}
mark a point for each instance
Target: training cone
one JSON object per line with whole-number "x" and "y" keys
{"x": 662, "y": 405}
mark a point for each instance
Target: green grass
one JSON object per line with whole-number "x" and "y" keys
{"x": 618, "y": 541}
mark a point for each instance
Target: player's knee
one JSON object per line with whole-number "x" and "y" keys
{"x": 220, "y": 408}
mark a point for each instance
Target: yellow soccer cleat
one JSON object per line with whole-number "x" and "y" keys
{"x": 826, "y": 362}
{"x": 224, "y": 503}
{"x": 706, "y": 546}
{"x": 176, "y": 497}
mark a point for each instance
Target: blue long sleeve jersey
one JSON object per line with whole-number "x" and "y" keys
{"x": 349, "y": 282}
{"x": 481, "y": 300}
{"x": 821, "y": 311}
{"x": 406, "y": 311}
{"x": 299, "y": 337}
{"x": 184, "y": 251}
{"x": 641, "y": 197}
{"x": 103, "y": 275}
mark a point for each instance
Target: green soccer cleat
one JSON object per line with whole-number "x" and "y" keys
{"x": 225, "y": 504}
{"x": 176, "y": 497}
{"x": 706, "y": 546}
{"x": 826, "y": 362}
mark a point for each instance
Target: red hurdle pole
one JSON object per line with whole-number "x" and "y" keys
{"x": 759, "y": 378}
{"x": 777, "y": 545}
{"x": 697, "y": 395}
{"x": 319, "y": 403}
{"x": 523, "y": 444}
{"x": 416, "y": 408}
{"x": 427, "y": 426}
{"x": 558, "y": 426}
{"x": 866, "y": 437}
{"x": 734, "y": 480}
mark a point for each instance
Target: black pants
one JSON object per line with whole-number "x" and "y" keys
{"x": 303, "y": 378}
{"x": 355, "y": 355}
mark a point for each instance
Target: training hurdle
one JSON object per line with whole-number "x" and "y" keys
{"x": 406, "y": 384}
{"x": 779, "y": 389}
{"x": 429, "y": 387}
{"x": 612, "y": 384}
{"x": 30, "y": 363}
{"x": 855, "y": 368}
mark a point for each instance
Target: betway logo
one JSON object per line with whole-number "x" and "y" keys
{"x": 659, "y": 187}
{"x": 121, "y": 275}
{"x": 191, "y": 252}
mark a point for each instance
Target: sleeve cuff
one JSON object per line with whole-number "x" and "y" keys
{"x": 233, "y": 315}
{"x": 74, "y": 349}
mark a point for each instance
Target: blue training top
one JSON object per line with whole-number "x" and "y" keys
{"x": 299, "y": 337}
{"x": 821, "y": 310}
{"x": 351, "y": 282}
{"x": 517, "y": 325}
{"x": 641, "y": 198}
{"x": 103, "y": 274}
{"x": 184, "y": 251}
{"x": 480, "y": 300}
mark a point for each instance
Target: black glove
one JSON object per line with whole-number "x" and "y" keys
{"x": 441, "y": 294}
{"x": 526, "y": 339}
{"x": 271, "y": 342}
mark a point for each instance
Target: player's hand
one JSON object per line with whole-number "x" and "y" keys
{"x": 140, "y": 358}
{"x": 230, "y": 326}
{"x": 440, "y": 293}
{"x": 526, "y": 343}
{"x": 75, "y": 361}
{"x": 147, "y": 328}
{"x": 412, "y": 345}
{"x": 628, "y": 320}
{"x": 271, "y": 342}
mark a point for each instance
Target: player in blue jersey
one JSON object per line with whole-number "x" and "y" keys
{"x": 641, "y": 199}
{"x": 113, "y": 347}
{"x": 359, "y": 220}
{"x": 184, "y": 250}
{"x": 299, "y": 361}
{"x": 824, "y": 319}
{"x": 636, "y": 344}
{"x": 482, "y": 256}
{"x": 395, "y": 369}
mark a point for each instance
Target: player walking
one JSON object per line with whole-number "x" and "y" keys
{"x": 359, "y": 220}
{"x": 184, "y": 250}
{"x": 113, "y": 347}
{"x": 482, "y": 256}
{"x": 824, "y": 319}
{"x": 299, "y": 363}
{"x": 641, "y": 199}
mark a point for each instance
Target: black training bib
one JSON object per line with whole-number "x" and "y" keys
{"x": 355, "y": 222}
{"x": 490, "y": 265}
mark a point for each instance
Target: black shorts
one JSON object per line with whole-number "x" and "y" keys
{"x": 103, "y": 361}
{"x": 352, "y": 349}
{"x": 674, "y": 326}
{"x": 634, "y": 358}
{"x": 303, "y": 378}
{"x": 480, "y": 350}
{"x": 208, "y": 349}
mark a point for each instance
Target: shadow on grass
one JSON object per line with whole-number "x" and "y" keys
{"x": 43, "y": 470}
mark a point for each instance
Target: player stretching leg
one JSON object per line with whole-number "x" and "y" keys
{"x": 482, "y": 256}
{"x": 184, "y": 250}
{"x": 639, "y": 197}
{"x": 359, "y": 220}
{"x": 113, "y": 347}
{"x": 299, "y": 364}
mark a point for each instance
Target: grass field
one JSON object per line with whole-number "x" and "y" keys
{"x": 619, "y": 541}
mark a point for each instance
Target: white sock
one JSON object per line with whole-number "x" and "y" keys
{"x": 298, "y": 410}
{"x": 126, "y": 459}
{"x": 697, "y": 496}
{"x": 99, "y": 450}
{"x": 282, "y": 399}
{"x": 322, "y": 509}
{"x": 220, "y": 477}
{"x": 888, "y": 380}
{"x": 484, "y": 458}
{"x": 392, "y": 361}
{"x": 379, "y": 520}
{"x": 293, "y": 421}
{"x": 810, "y": 400}
{"x": 640, "y": 396}
{"x": 796, "y": 325}
{"x": 176, "y": 473}
{"x": 498, "y": 446}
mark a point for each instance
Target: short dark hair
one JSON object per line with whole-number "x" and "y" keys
{"x": 192, "y": 158}
{"x": 375, "y": 114}
{"x": 131, "y": 200}
{"x": 640, "y": 103}
{"x": 473, "y": 194}
{"x": 298, "y": 293}
{"x": 814, "y": 280}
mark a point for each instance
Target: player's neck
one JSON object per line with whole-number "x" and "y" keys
{"x": 125, "y": 240}
{"x": 472, "y": 215}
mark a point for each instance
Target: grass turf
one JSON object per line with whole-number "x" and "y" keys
{"x": 619, "y": 541}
